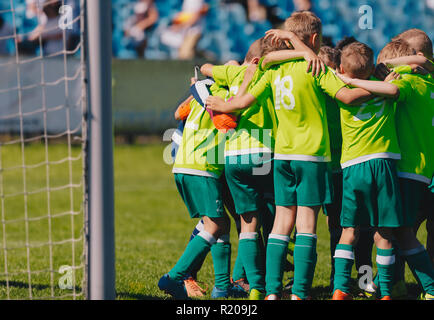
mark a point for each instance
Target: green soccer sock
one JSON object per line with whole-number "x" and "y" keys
{"x": 421, "y": 266}
{"x": 221, "y": 257}
{"x": 344, "y": 260}
{"x": 238, "y": 273}
{"x": 386, "y": 269}
{"x": 305, "y": 258}
{"x": 196, "y": 250}
{"x": 251, "y": 257}
{"x": 277, "y": 248}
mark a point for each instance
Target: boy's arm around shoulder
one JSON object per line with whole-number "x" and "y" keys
{"x": 364, "y": 89}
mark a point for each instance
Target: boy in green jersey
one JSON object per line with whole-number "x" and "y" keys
{"x": 248, "y": 166}
{"x": 301, "y": 173}
{"x": 363, "y": 250}
{"x": 370, "y": 150}
{"x": 198, "y": 168}
{"x": 414, "y": 115}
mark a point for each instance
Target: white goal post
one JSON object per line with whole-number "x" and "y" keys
{"x": 56, "y": 153}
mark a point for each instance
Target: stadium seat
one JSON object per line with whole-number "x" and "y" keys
{"x": 228, "y": 33}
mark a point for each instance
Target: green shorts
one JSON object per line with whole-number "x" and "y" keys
{"x": 302, "y": 183}
{"x": 371, "y": 195}
{"x": 250, "y": 180}
{"x": 417, "y": 200}
{"x": 201, "y": 195}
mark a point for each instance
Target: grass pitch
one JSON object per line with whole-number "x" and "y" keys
{"x": 152, "y": 225}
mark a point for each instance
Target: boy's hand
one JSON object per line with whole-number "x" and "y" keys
{"x": 392, "y": 76}
{"x": 419, "y": 70}
{"x": 215, "y": 104}
{"x": 278, "y": 35}
{"x": 314, "y": 63}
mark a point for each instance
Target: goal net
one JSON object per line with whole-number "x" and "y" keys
{"x": 42, "y": 150}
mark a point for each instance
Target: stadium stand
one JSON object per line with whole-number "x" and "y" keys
{"x": 228, "y": 31}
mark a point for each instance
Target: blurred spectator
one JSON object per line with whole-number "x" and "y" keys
{"x": 34, "y": 8}
{"x": 5, "y": 31}
{"x": 303, "y": 5}
{"x": 48, "y": 30}
{"x": 256, "y": 11}
{"x": 186, "y": 29}
{"x": 145, "y": 16}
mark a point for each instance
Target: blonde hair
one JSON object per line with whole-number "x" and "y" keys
{"x": 395, "y": 49}
{"x": 358, "y": 59}
{"x": 268, "y": 47}
{"x": 418, "y": 40}
{"x": 255, "y": 50}
{"x": 304, "y": 24}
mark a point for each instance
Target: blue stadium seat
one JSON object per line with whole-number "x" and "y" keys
{"x": 228, "y": 34}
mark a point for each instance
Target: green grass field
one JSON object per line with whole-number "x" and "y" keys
{"x": 152, "y": 225}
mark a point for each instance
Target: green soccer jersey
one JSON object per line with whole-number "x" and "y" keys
{"x": 299, "y": 101}
{"x": 202, "y": 147}
{"x": 415, "y": 125}
{"x": 255, "y": 132}
{"x": 368, "y": 132}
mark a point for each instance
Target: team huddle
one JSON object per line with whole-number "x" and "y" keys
{"x": 298, "y": 129}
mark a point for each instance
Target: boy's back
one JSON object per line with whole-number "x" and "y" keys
{"x": 368, "y": 132}
{"x": 256, "y": 125}
{"x": 415, "y": 125}
{"x": 299, "y": 102}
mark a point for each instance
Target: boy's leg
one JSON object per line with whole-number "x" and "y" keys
{"x": 198, "y": 228}
{"x": 246, "y": 188}
{"x": 238, "y": 273}
{"x": 305, "y": 256}
{"x": 417, "y": 258}
{"x": 333, "y": 212}
{"x": 344, "y": 260}
{"x": 198, "y": 247}
{"x": 249, "y": 250}
{"x": 413, "y": 195}
{"x": 202, "y": 196}
{"x": 385, "y": 260}
{"x": 277, "y": 247}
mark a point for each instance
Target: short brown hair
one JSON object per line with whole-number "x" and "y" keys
{"x": 268, "y": 47}
{"x": 255, "y": 50}
{"x": 304, "y": 24}
{"x": 358, "y": 59}
{"x": 395, "y": 49}
{"x": 330, "y": 56}
{"x": 418, "y": 40}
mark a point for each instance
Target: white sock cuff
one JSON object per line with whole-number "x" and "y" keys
{"x": 306, "y": 235}
{"x": 385, "y": 260}
{"x": 200, "y": 226}
{"x": 248, "y": 235}
{"x": 207, "y": 236}
{"x": 279, "y": 237}
{"x": 344, "y": 254}
{"x": 223, "y": 239}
